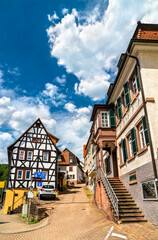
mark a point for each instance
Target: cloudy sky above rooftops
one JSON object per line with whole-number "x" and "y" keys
{"x": 57, "y": 59}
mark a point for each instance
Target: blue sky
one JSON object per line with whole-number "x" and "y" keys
{"x": 57, "y": 59}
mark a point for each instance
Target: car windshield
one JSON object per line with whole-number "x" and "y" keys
{"x": 48, "y": 186}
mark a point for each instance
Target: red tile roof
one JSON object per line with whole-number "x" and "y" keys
{"x": 142, "y": 34}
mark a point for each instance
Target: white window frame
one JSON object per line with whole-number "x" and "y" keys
{"x": 23, "y": 155}
{"x": 71, "y": 160}
{"x": 26, "y": 173}
{"x": 47, "y": 156}
{"x": 21, "y": 174}
{"x": 104, "y": 119}
{"x": 31, "y": 155}
{"x": 141, "y": 136}
{"x": 134, "y": 88}
{"x": 130, "y": 146}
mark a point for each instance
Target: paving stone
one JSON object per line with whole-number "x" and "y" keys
{"x": 74, "y": 218}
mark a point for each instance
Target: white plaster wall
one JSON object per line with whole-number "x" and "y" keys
{"x": 149, "y": 73}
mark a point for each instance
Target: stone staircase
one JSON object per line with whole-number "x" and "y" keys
{"x": 128, "y": 210}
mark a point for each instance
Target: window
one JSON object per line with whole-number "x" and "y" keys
{"x": 130, "y": 146}
{"x": 104, "y": 119}
{"x": 134, "y": 86}
{"x": 134, "y": 141}
{"x": 29, "y": 155}
{"x": 71, "y": 160}
{"x": 127, "y": 98}
{"x": 71, "y": 176}
{"x": 137, "y": 78}
{"x": 36, "y": 140}
{"x": 45, "y": 156}
{"x": 70, "y": 169}
{"x": 124, "y": 149}
{"x": 21, "y": 154}
{"x": 132, "y": 178}
{"x": 149, "y": 190}
{"x": 20, "y": 174}
{"x": 107, "y": 165}
{"x": 59, "y": 159}
{"x": 27, "y": 174}
{"x": 119, "y": 108}
{"x": 141, "y": 135}
{"x": 112, "y": 117}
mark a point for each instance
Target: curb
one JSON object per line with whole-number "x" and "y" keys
{"x": 47, "y": 223}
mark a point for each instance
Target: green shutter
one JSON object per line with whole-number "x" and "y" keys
{"x": 137, "y": 78}
{"x": 134, "y": 141}
{"x": 127, "y": 94}
{"x": 124, "y": 149}
{"x": 106, "y": 165}
{"x": 119, "y": 108}
{"x": 145, "y": 130}
{"x": 112, "y": 117}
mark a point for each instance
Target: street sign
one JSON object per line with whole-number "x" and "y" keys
{"x": 39, "y": 184}
{"x": 40, "y": 175}
{"x": 30, "y": 195}
{"x": 2, "y": 183}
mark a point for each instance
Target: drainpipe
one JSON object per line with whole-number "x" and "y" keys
{"x": 146, "y": 116}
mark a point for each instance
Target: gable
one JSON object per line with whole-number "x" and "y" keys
{"x": 36, "y": 136}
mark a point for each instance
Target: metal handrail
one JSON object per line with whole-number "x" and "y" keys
{"x": 99, "y": 172}
{"x": 18, "y": 200}
{"x": 111, "y": 194}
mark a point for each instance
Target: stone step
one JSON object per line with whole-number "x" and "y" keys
{"x": 127, "y": 203}
{"x": 122, "y": 194}
{"x": 124, "y": 197}
{"x": 126, "y": 215}
{"x": 129, "y": 211}
{"x": 126, "y": 200}
{"x": 133, "y": 219}
{"x": 122, "y": 207}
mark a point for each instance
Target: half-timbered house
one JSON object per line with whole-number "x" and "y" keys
{"x": 34, "y": 151}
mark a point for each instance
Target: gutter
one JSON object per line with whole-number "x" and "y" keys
{"x": 146, "y": 116}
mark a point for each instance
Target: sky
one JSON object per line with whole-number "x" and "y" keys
{"x": 57, "y": 59}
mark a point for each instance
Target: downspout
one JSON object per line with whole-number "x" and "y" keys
{"x": 146, "y": 116}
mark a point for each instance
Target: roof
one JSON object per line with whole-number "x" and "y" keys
{"x": 51, "y": 135}
{"x": 144, "y": 32}
{"x": 29, "y": 129}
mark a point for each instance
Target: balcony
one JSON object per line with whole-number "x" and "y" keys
{"x": 105, "y": 134}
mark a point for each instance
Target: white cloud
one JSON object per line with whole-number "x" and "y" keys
{"x": 65, "y": 11}
{"x": 70, "y": 107}
{"x": 15, "y": 71}
{"x": 5, "y": 140}
{"x": 73, "y": 129}
{"x": 61, "y": 80}
{"x": 1, "y": 77}
{"x": 52, "y": 92}
{"x": 53, "y": 17}
{"x": 89, "y": 45}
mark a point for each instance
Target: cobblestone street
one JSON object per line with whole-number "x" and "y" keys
{"x": 74, "y": 218}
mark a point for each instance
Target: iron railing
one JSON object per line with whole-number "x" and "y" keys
{"x": 111, "y": 194}
{"x": 99, "y": 172}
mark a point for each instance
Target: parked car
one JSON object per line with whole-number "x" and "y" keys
{"x": 47, "y": 191}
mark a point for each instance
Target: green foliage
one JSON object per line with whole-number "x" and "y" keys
{"x": 88, "y": 193}
{"x": 4, "y": 172}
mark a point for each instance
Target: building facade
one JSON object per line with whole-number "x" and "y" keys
{"x": 69, "y": 168}
{"x": 128, "y": 147}
{"x": 34, "y": 151}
